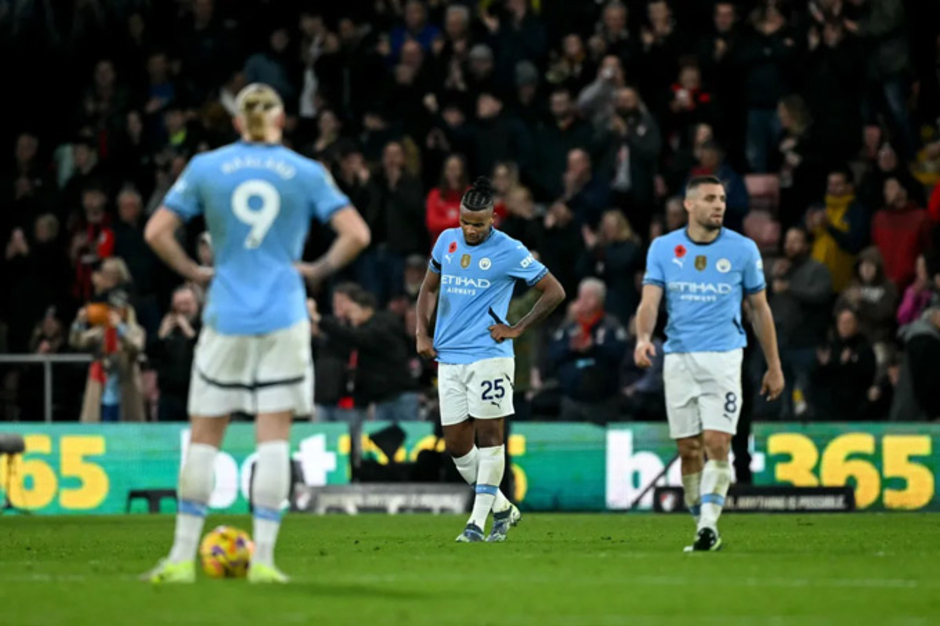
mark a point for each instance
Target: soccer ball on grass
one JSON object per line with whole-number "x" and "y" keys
{"x": 225, "y": 552}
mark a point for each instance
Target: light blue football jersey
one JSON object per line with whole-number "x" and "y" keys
{"x": 258, "y": 200}
{"x": 704, "y": 285}
{"x": 476, "y": 286}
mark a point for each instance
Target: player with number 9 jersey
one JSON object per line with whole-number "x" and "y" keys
{"x": 253, "y": 354}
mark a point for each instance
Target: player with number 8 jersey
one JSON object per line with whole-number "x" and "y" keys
{"x": 704, "y": 272}
{"x": 470, "y": 280}
{"x": 253, "y": 354}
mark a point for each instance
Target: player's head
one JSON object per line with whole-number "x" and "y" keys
{"x": 705, "y": 202}
{"x": 476, "y": 211}
{"x": 260, "y": 113}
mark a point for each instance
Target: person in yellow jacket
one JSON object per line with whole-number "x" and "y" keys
{"x": 840, "y": 229}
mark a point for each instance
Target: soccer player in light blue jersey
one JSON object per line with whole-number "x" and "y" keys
{"x": 253, "y": 355}
{"x": 705, "y": 272}
{"x": 470, "y": 280}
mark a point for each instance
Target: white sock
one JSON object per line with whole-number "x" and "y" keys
{"x": 716, "y": 478}
{"x": 691, "y": 485}
{"x": 468, "y": 466}
{"x": 489, "y": 474}
{"x": 268, "y": 492}
{"x": 193, "y": 500}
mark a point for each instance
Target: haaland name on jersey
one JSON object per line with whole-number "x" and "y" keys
{"x": 704, "y": 285}
{"x": 477, "y": 283}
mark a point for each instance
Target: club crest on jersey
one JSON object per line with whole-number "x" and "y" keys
{"x": 723, "y": 266}
{"x": 701, "y": 262}
{"x": 465, "y": 261}
{"x": 485, "y": 264}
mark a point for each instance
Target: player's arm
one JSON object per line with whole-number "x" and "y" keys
{"x": 762, "y": 320}
{"x": 352, "y": 237}
{"x": 160, "y": 235}
{"x": 646, "y": 315}
{"x": 553, "y": 294}
{"x": 427, "y": 303}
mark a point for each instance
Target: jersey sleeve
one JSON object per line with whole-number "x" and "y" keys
{"x": 325, "y": 196}
{"x": 654, "y": 268}
{"x": 523, "y": 266}
{"x": 183, "y": 198}
{"x": 437, "y": 254}
{"x": 754, "y": 280}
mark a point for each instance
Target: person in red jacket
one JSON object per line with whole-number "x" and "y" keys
{"x": 443, "y": 203}
{"x": 901, "y": 231}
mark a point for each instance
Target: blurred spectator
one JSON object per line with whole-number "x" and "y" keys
{"x": 597, "y": 101}
{"x": 716, "y": 55}
{"x": 689, "y": 104}
{"x": 505, "y": 181}
{"x": 172, "y": 354}
{"x": 561, "y": 245}
{"x": 839, "y": 230}
{"x": 633, "y": 149}
{"x": 129, "y": 242}
{"x": 109, "y": 330}
{"x": 885, "y": 166}
{"x": 833, "y": 80}
{"x": 328, "y": 136}
{"x": 382, "y": 375}
{"x": 553, "y": 143}
{"x": 586, "y": 194}
{"x": 918, "y": 395}
{"x": 586, "y": 354}
{"x": 676, "y": 215}
{"x": 801, "y": 293}
{"x": 573, "y": 70}
{"x": 92, "y": 241}
{"x": 416, "y": 28}
{"x": 521, "y": 221}
{"x": 274, "y": 66}
{"x": 36, "y": 273}
{"x": 82, "y": 172}
{"x": 614, "y": 254}
{"x": 845, "y": 371}
{"x": 917, "y": 295}
{"x": 884, "y": 28}
{"x": 661, "y": 44}
{"x": 395, "y": 215}
{"x": 800, "y": 160}
{"x": 335, "y": 363}
{"x": 517, "y": 36}
{"x": 497, "y": 136}
{"x": 765, "y": 55}
{"x": 901, "y": 231}
{"x": 711, "y": 163}
{"x": 443, "y": 202}
{"x": 526, "y": 103}
{"x": 873, "y": 297}
{"x": 614, "y": 37}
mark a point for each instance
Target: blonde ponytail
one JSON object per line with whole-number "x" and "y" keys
{"x": 258, "y": 104}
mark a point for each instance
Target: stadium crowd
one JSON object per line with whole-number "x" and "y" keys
{"x": 820, "y": 116}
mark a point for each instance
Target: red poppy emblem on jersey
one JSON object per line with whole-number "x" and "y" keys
{"x": 680, "y": 251}
{"x": 452, "y": 248}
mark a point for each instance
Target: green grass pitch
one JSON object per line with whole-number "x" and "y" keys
{"x": 555, "y": 570}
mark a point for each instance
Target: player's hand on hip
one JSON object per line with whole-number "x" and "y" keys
{"x": 426, "y": 347}
{"x": 644, "y": 353}
{"x": 501, "y": 332}
{"x": 202, "y": 276}
{"x": 773, "y": 384}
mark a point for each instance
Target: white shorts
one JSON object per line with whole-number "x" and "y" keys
{"x": 703, "y": 392}
{"x": 482, "y": 390}
{"x": 252, "y": 373}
